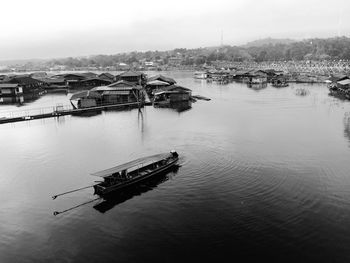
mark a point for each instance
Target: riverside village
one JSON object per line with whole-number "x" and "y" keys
{"x": 175, "y": 131}
{"x": 95, "y": 90}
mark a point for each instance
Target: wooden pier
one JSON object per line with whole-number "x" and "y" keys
{"x": 61, "y": 111}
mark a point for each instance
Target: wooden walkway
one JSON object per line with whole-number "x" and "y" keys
{"x": 60, "y": 111}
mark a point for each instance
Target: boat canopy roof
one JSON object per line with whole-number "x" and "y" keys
{"x": 138, "y": 162}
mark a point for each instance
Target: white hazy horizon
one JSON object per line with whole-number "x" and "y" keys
{"x": 49, "y": 29}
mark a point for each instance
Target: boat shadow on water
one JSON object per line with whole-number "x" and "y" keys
{"x": 257, "y": 86}
{"x": 111, "y": 200}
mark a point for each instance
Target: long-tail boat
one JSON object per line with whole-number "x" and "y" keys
{"x": 131, "y": 173}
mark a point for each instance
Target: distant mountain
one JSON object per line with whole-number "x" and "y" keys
{"x": 268, "y": 41}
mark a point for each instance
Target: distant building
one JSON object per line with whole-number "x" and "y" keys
{"x": 159, "y": 77}
{"x": 107, "y": 76}
{"x": 11, "y": 93}
{"x": 171, "y": 94}
{"x": 28, "y": 84}
{"x": 71, "y": 80}
{"x": 94, "y": 82}
{"x": 135, "y": 77}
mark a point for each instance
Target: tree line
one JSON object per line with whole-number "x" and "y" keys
{"x": 315, "y": 49}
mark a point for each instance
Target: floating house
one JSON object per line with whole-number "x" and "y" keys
{"x": 81, "y": 80}
{"x": 279, "y": 81}
{"x": 241, "y": 75}
{"x": 117, "y": 93}
{"x": 86, "y": 99}
{"x": 89, "y": 75}
{"x": 71, "y": 80}
{"x": 159, "y": 77}
{"x": 155, "y": 85}
{"x": 137, "y": 78}
{"x": 11, "y": 93}
{"x": 28, "y": 84}
{"x": 339, "y": 86}
{"x": 171, "y": 94}
{"x": 257, "y": 77}
{"x": 94, "y": 82}
{"x": 220, "y": 76}
{"x": 272, "y": 74}
{"x": 107, "y": 76}
{"x": 344, "y": 88}
{"x": 54, "y": 83}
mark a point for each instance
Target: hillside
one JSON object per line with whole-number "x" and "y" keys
{"x": 269, "y": 49}
{"x": 269, "y": 41}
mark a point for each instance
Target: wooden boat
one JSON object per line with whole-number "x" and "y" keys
{"x": 134, "y": 172}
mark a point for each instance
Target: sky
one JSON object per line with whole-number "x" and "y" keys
{"x": 63, "y": 28}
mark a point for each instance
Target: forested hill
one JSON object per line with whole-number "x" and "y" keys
{"x": 267, "y": 50}
{"x": 268, "y": 41}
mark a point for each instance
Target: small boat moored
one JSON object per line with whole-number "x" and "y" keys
{"x": 131, "y": 173}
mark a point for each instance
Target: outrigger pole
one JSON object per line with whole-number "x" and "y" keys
{"x": 63, "y": 211}
{"x": 68, "y": 192}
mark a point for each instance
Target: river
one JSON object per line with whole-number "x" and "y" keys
{"x": 265, "y": 174}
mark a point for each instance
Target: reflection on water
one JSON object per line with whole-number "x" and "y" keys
{"x": 179, "y": 106}
{"x": 114, "y": 199}
{"x": 302, "y": 92}
{"x": 257, "y": 86}
{"x": 347, "y": 125}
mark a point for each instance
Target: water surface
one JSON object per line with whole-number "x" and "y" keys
{"x": 264, "y": 174}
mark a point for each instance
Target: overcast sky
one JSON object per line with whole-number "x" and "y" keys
{"x": 61, "y": 28}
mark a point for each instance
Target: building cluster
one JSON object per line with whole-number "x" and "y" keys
{"x": 251, "y": 76}
{"x": 98, "y": 89}
{"x": 131, "y": 87}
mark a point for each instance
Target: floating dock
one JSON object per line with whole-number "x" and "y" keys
{"x": 59, "y": 111}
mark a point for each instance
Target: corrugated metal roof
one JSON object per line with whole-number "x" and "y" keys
{"x": 46, "y": 80}
{"x": 173, "y": 87}
{"x": 85, "y": 94}
{"x": 128, "y": 165}
{"x": 122, "y": 83}
{"x": 157, "y": 83}
{"x": 344, "y": 82}
{"x": 162, "y": 78}
{"x": 116, "y": 92}
{"x": 107, "y": 88}
{"x": 131, "y": 74}
{"x": 8, "y": 85}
